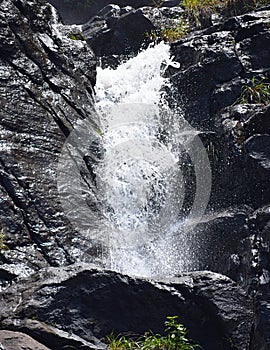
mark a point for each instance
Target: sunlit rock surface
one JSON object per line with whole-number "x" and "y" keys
{"x": 10, "y": 340}
{"x": 45, "y": 85}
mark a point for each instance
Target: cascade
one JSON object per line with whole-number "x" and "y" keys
{"x": 146, "y": 153}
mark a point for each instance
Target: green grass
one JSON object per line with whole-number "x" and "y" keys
{"x": 175, "y": 339}
{"x": 200, "y": 8}
{"x": 256, "y": 92}
{"x": 197, "y": 6}
{"x": 177, "y": 30}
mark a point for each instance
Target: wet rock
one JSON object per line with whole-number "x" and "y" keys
{"x": 73, "y": 11}
{"x": 228, "y": 227}
{"x": 113, "y": 32}
{"x": 18, "y": 341}
{"x": 163, "y": 17}
{"x": 204, "y": 64}
{"x": 46, "y": 83}
{"x": 258, "y": 148}
{"x": 259, "y": 272}
{"x": 241, "y": 149}
{"x": 87, "y": 303}
{"x": 215, "y": 63}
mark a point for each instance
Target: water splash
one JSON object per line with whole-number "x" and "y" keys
{"x": 140, "y": 180}
{"x": 125, "y": 187}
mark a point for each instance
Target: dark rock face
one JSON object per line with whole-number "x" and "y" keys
{"x": 46, "y": 81}
{"x": 73, "y": 11}
{"x": 88, "y": 303}
{"x": 243, "y": 139}
{"x": 220, "y": 236}
{"x": 215, "y": 64}
{"x": 45, "y": 86}
{"x": 117, "y": 31}
{"x": 259, "y": 273}
{"x": 214, "y": 61}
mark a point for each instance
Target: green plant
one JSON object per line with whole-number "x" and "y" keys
{"x": 153, "y": 35}
{"x": 201, "y": 5}
{"x": 175, "y": 339}
{"x": 263, "y": 2}
{"x": 177, "y": 30}
{"x": 3, "y": 246}
{"x": 198, "y": 9}
{"x": 257, "y": 92}
{"x": 195, "y": 8}
{"x": 120, "y": 342}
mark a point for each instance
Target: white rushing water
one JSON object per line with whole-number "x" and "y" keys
{"x": 140, "y": 179}
{"x": 130, "y": 212}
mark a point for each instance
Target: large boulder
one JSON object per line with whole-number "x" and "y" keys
{"x": 76, "y": 305}
{"x": 118, "y": 31}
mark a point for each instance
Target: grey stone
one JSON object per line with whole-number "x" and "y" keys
{"x": 88, "y": 303}
{"x": 46, "y": 81}
{"x": 10, "y": 340}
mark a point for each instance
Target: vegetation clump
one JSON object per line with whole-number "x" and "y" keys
{"x": 176, "y": 30}
{"x": 210, "y": 6}
{"x": 197, "y": 10}
{"x": 256, "y": 92}
{"x": 175, "y": 339}
{"x": 195, "y": 7}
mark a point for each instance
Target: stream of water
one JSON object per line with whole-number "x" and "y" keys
{"x": 140, "y": 221}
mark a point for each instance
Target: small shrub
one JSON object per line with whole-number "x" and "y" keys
{"x": 257, "y": 92}
{"x": 173, "y": 31}
{"x": 177, "y": 30}
{"x": 175, "y": 339}
{"x": 120, "y": 342}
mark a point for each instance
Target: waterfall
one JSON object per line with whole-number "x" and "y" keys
{"x": 139, "y": 222}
